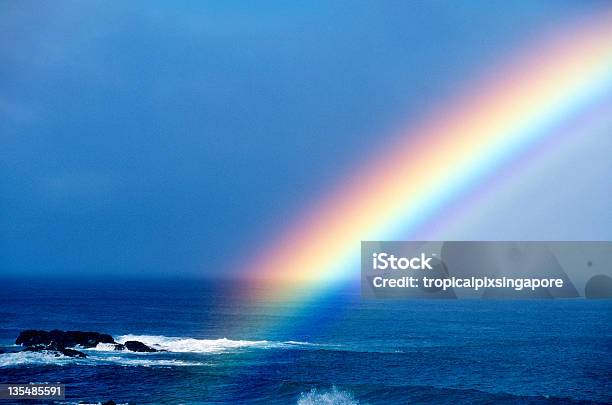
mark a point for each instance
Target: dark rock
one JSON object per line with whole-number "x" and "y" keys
{"x": 135, "y": 346}
{"x": 59, "y": 343}
{"x": 62, "y": 339}
{"x": 119, "y": 346}
{"x": 72, "y": 353}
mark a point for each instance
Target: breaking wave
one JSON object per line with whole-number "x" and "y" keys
{"x": 333, "y": 396}
{"x": 191, "y": 345}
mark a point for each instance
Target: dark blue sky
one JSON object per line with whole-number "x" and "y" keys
{"x": 159, "y": 137}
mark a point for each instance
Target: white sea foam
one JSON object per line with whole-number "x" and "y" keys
{"x": 26, "y": 358}
{"x": 333, "y": 396}
{"x": 124, "y": 361}
{"x": 104, "y": 347}
{"x": 191, "y": 345}
{"x": 41, "y": 358}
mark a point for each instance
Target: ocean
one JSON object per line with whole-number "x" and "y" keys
{"x": 222, "y": 348}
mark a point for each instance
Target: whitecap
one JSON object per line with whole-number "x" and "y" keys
{"x": 26, "y": 358}
{"x": 298, "y": 343}
{"x": 333, "y": 396}
{"x": 104, "y": 347}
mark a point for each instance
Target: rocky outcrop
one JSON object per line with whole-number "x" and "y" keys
{"x": 135, "y": 346}
{"x": 59, "y": 343}
{"x": 62, "y": 339}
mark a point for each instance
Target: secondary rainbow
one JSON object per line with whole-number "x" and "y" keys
{"x": 516, "y": 106}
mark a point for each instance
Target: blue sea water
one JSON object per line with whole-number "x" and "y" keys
{"x": 222, "y": 348}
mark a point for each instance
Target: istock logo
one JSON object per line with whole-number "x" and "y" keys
{"x": 383, "y": 261}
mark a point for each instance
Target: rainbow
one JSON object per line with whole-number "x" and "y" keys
{"x": 506, "y": 113}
